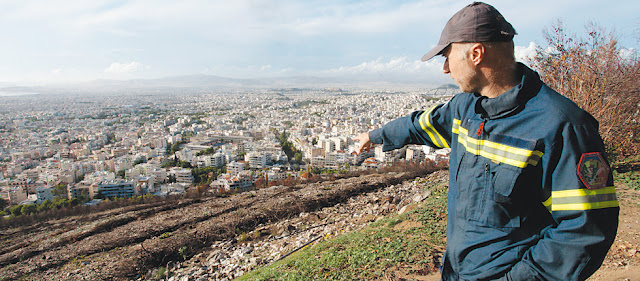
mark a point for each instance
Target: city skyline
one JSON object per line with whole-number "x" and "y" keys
{"x": 78, "y": 41}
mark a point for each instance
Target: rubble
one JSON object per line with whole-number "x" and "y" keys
{"x": 226, "y": 260}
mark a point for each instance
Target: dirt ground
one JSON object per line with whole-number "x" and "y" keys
{"x": 124, "y": 243}
{"x": 623, "y": 260}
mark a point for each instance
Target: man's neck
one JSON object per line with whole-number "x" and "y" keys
{"x": 500, "y": 81}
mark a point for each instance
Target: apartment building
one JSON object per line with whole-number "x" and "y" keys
{"x": 111, "y": 189}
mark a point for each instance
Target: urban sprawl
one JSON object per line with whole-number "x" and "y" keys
{"x": 107, "y": 146}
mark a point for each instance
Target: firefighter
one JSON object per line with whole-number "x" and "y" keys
{"x": 523, "y": 203}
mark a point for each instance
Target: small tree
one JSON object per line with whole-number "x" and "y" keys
{"x": 16, "y": 210}
{"x": 3, "y": 204}
{"x": 598, "y": 76}
{"x": 44, "y": 206}
{"x": 60, "y": 190}
{"x": 28, "y": 209}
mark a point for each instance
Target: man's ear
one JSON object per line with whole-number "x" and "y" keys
{"x": 476, "y": 53}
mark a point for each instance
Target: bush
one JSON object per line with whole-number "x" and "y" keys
{"x": 597, "y": 75}
{"x": 28, "y": 209}
{"x": 16, "y": 210}
{"x": 3, "y": 204}
{"x": 44, "y": 206}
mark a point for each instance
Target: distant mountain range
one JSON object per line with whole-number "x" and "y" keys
{"x": 200, "y": 82}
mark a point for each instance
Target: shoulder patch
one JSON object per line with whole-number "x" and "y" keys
{"x": 593, "y": 170}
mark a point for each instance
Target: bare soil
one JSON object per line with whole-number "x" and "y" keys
{"x": 623, "y": 260}
{"x": 123, "y": 244}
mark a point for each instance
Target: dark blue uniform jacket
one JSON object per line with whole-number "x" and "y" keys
{"x": 531, "y": 195}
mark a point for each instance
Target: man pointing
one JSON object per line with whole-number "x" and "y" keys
{"x": 524, "y": 201}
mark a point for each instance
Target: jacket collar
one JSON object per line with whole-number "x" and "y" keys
{"x": 513, "y": 100}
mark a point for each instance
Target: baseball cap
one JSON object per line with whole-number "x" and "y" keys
{"x": 477, "y": 22}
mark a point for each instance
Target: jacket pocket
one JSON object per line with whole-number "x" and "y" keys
{"x": 471, "y": 182}
{"x": 501, "y": 210}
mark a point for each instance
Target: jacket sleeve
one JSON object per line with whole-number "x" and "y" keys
{"x": 580, "y": 195}
{"x": 431, "y": 127}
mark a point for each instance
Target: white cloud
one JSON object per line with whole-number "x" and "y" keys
{"x": 368, "y": 17}
{"x": 285, "y": 37}
{"x": 264, "y": 68}
{"x": 629, "y": 54}
{"x": 125, "y": 68}
{"x": 398, "y": 69}
{"x": 525, "y": 54}
{"x": 399, "y": 65}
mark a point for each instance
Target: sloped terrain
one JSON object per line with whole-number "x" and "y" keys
{"x": 224, "y": 238}
{"x": 125, "y": 244}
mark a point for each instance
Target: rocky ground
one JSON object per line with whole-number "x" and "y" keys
{"x": 229, "y": 259}
{"x": 232, "y": 258}
{"x": 223, "y": 238}
{"x": 125, "y": 243}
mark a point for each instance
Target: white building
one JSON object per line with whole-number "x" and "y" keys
{"x": 158, "y": 175}
{"x": 14, "y": 195}
{"x": 257, "y": 160}
{"x": 235, "y": 168}
{"x": 215, "y": 160}
{"x": 182, "y": 175}
{"x": 110, "y": 189}
{"x": 227, "y": 182}
{"x": 145, "y": 185}
{"x": 415, "y": 154}
{"x": 43, "y": 194}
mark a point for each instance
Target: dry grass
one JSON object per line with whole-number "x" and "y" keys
{"x": 596, "y": 74}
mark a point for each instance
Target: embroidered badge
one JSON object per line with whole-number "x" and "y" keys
{"x": 593, "y": 170}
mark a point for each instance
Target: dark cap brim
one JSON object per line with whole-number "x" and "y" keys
{"x": 437, "y": 50}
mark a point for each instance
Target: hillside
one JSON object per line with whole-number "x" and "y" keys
{"x": 124, "y": 244}
{"x": 393, "y": 223}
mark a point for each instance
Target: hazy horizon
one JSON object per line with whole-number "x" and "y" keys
{"x": 82, "y": 41}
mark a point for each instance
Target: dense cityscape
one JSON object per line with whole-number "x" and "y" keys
{"x": 98, "y": 147}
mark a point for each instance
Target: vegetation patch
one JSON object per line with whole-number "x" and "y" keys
{"x": 406, "y": 246}
{"x": 627, "y": 173}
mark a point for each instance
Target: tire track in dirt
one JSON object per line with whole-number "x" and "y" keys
{"x": 106, "y": 236}
{"x": 134, "y": 260}
{"x": 70, "y": 234}
{"x": 23, "y": 237}
{"x": 127, "y": 246}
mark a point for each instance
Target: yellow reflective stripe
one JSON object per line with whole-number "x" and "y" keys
{"x": 584, "y": 206}
{"x": 426, "y": 129}
{"x": 489, "y": 155}
{"x": 478, "y": 150}
{"x": 511, "y": 149}
{"x": 456, "y": 126}
{"x": 436, "y": 138}
{"x": 582, "y": 192}
{"x": 582, "y": 199}
{"x": 547, "y": 204}
{"x": 514, "y": 156}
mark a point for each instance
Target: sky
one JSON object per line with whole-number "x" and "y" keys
{"x": 61, "y": 41}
